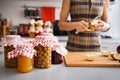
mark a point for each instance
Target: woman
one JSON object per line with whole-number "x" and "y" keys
{"x": 82, "y": 12}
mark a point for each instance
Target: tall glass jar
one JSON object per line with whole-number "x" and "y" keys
{"x": 43, "y": 57}
{"x": 9, "y": 43}
{"x": 42, "y": 45}
{"x": 31, "y": 28}
{"x": 32, "y": 31}
{"x": 25, "y": 64}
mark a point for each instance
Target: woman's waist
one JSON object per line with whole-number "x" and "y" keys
{"x": 83, "y": 34}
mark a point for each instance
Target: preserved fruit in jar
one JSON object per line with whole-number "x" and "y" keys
{"x": 32, "y": 34}
{"x": 56, "y": 58}
{"x": 10, "y": 63}
{"x": 25, "y": 64}
{"x": 31, "y": 28}
{"x": 43, "y": 57}
{"x": 9, "y": 43}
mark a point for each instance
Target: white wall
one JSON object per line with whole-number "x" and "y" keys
{"x": 13, "y": 9}
{"x": 114, "y": 16}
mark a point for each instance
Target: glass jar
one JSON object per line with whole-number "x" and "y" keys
{"x": 56, "y": 58}
{"x": 25, "y": 64}
{"x": 43, "y": 57}
{"x": 9, "y": 43}
{"x": 10, "y": 63}
{"x": 31, "y": 31}
{"x": 32, "y": 34}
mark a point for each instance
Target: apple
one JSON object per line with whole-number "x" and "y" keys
{"x": 115, "y": 56}
{"x": 106, "y": 53}
{"x": 90, "y": 57}
{"x": 92, "y": 26}
{"x": 94, "y": 22}
{"x": 118, "y": 49}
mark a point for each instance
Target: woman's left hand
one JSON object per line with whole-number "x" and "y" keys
{"x": 102, "y": 26}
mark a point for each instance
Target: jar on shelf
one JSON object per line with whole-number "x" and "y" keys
{"x": 10, "y": 42}
{"x": 39, "y": 27}
{"x": 25, "y": 52}
{"x": 31, "y": 31}
{"x": 6, "y": 27}
{"x": 48, "y": 27}
{"x": 43, "y": 48}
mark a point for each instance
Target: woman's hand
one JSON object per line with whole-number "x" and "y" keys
{"x": 81, "y": 26}
{"x": 102, "y": 26}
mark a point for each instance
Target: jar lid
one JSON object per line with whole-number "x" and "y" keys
{"x": 24, "y": 49}
{"x": 11, "y": 40}
{"x": 12, "y": 37}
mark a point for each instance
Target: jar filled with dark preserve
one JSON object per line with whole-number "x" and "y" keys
{"x": 56, "y": 58}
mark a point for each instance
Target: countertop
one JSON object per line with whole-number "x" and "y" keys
{"x": 61, "y": 72}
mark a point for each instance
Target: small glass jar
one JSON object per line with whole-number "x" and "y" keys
{"x": 43, "y": 57}
{"x": 10, "y": 63}
{"x": 32, "y": 34}
{"x": 25, "y": 64}
{"x": 56, "y": 58}
{"x": 32, "y": 31}
{"x": 9, "y": 43}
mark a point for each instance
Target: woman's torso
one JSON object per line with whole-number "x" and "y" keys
{"x": 81, "y": 10}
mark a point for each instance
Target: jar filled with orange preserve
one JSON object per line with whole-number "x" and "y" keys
{"x": 10, "y": 42}
{"x": 25, "y": 64}
{"x": 25, "y": 58}
{"x": 25, "y": 52}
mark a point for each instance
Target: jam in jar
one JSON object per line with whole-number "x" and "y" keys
{"x": 56, "y": 58}
{"x": 25, "y": 64}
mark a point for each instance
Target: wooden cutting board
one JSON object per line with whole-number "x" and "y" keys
{"x": 78, "y": 59}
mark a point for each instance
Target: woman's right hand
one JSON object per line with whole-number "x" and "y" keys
{"x": 81, "y": 26}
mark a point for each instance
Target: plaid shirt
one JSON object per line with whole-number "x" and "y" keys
{"x": 84, "y": 10}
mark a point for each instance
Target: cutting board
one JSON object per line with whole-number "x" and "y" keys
{"x": 78, "y": 59}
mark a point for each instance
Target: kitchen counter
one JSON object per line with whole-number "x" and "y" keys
{"x": 61, "y": 72}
